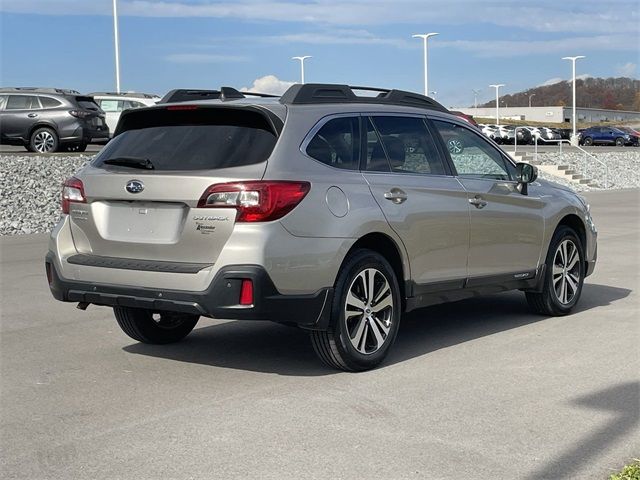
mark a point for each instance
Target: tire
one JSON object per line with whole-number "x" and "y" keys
{"x": 619, "y": 142}
{"x": 560, "y": 290}
{"x": 352, "y": 342}
{"x": 76, "y": 147}
{"x": 44, "y": 140}
{"x": 147, "y": 326}
{"x": 588, "y": 141}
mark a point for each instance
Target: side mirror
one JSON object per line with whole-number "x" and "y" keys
{"x": 525, "y": 174}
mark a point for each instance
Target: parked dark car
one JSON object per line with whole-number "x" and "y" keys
{"x": 47, "y": 120}
{"x": 466, "y": 117}
{"x": 606, "y": 136}
{"x": 633, "y": 133}
{"x": 565, "y": 133}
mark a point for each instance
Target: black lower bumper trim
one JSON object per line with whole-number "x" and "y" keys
{"x": 220, "y": 300}
{"x": 134, "y": 264}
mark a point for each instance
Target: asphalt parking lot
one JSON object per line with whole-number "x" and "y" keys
{"x": 479, "y": 389}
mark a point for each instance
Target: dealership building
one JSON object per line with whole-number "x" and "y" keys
{"x": 552, "y": 114}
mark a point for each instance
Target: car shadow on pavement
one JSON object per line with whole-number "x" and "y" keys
{"x": 273, "y": 348}
{"x": 621, "y": 402}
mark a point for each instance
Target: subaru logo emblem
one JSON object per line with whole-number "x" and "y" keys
{"x": 134, "y": 186}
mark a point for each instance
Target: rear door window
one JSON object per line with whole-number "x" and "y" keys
{"x": 22, "y": 102}
{"x": 408, "y": 145}
{"x": 199, "y": 139}
{"x": 337, "y": 143}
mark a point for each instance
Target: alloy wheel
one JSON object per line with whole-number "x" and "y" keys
{"x": 44, "y": 142}
{"x": 566, "y": 271}
{"x": 368, "y": 311}
{"x": 455, "y": 146}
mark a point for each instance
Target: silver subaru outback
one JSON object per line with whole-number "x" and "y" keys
{"x": 322, "y": 209}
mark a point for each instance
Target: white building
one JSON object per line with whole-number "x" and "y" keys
{"x": 551, "y": 114}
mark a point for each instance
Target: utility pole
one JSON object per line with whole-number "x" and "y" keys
{"x": 116, "y": 43}
{"x": 302, "y": 59}
{"x": 425, "y": 37}
{"x": 497, "y": 87}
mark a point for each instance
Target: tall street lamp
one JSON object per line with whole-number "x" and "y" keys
{"x": 475, "y": 98}
{"x": 573, "y": 62}
{"x": 497, "y": 87}
{"x": 532, "y": 95}
{"x": 116, "y": 43}
{"x": 425, "y": 37}
{"x": 302, "y": 59}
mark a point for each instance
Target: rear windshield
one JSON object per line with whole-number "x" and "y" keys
{"x": 87, "y": 103}
{"x": 201, "y": 139}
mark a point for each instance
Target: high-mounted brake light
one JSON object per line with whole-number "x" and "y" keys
{"x": 72, "y": 191}
{"x": 182, "y": 107}
{"x": 259, "y": 201}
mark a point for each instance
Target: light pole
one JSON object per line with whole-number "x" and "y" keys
{"x": 302, "y": 59}
{"x": 497, "y": 87}
{"x": 532, "y": 95}
{"x": 116, "y": 43}
{"x": 425, "y": 37}
{"x": 475, "y": 98}
{"x": 573, "y": 81}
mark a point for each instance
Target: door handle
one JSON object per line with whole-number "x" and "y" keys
{"x": 32, "y": 115}
{"x": 478, "y": 202}
{"x": 396, "y": 195}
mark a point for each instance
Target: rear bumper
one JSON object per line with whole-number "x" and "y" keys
{"x": 85, "y": 135}
{"x": 220, "y": 300}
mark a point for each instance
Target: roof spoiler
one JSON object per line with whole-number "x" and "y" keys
{"x": 225, "y": 94}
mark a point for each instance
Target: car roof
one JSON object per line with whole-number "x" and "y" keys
{"x": 124, "y": 95}
{"x": 39, "y": 90}
{"x": 322, "y": 98}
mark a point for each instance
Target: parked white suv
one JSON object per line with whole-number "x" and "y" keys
{"x": 113, "y": 104}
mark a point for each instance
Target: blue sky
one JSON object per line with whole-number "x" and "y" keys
{"x": 248, "y": 43}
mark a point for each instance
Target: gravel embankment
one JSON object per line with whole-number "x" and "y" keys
{"x": 624, "y": 168}
{"x": 30, "y": 186}
{"x": 30, "y": 189}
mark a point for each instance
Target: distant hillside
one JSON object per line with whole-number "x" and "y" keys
{"x": 610, "y": 93}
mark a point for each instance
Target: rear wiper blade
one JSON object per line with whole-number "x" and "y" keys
{"x": 133, "y": 162}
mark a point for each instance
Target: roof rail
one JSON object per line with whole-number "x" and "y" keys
{"x": 62, "y": 91}
{"x": 125, "y": 94}
{"x": 319, "y": 93}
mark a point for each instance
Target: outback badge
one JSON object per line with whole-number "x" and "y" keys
{"x": 134, "y": 186}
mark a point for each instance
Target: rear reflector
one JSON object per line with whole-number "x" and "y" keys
{"x": 72, "y": 191}
{"x": 246, "y": 292}
{"x": 259, "y": 201}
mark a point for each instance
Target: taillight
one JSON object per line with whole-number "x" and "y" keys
{"x": 72, "y": 191}
{"x": 80, "y": 113}
{"x": 259, "y": 201}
